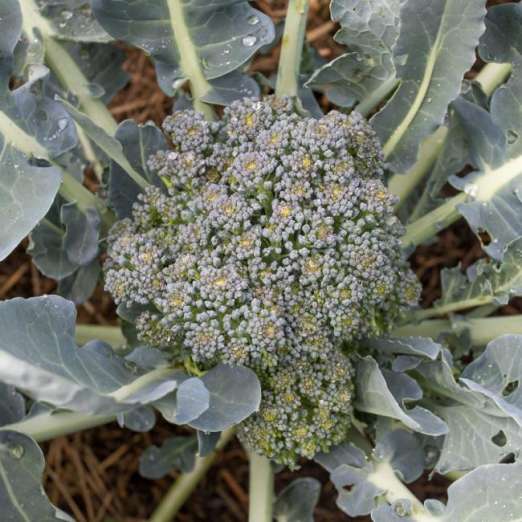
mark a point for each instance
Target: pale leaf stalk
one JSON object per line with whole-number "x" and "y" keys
{"x": 71, "y": 189}
{"x": 261, "y": 489}
{"x": 385, "y": 479}
{"x": 484, "y": 188}
{"x": 189, "y": 60}
{"x": 403, "y": 184}
{"x": 292, "y": 48}
{"x": 368, "y": 104}
{"x": 457, "y": 306}
{"x": 429, "y": 225}
{"x": 73, "y": 79}
{"x": 481, "y": 330}
{"x": 64, "y": 67}
{"x": 187, "y": 482}
{"x": 47, "y": 426}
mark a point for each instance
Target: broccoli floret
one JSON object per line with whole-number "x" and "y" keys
{"x": 306, "y": 408}
{"x": 273, "y": 245}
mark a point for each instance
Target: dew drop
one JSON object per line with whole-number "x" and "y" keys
{"x": 249, "y": 41}
{"x": 512, "y": 136}
{"x": 67, "y": 15}
{"x": 471, "y": 190}
{"x": 179, "y": 83}
{"x": 253, "y": 20}
{"x": 16, "y": 450}
{"x": 401, "y": 508}
{"x": 62, "y": 123}
{"x": 95, "y": 90}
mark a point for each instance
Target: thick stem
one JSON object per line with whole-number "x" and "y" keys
{"x": 402, "y": 185}
{"x": 481, "y": 330}
{"x": 292, "y": 48}
{"x": 72, "y": 190}
{"x": 73, "y": 79}
{"x": 385, "y": 479}
{"x": 433, "y": 222}
{"x": 493, "y": 75}
{"x": 186, "y": 483}
{"x": 49, "y": 426}
{"x": 368, "y": 104}
{"x": 189, "y": 60}
{"x": 449, "y": 308}
{"x": 261, "y": 489}
{"x": 109, "y": 334}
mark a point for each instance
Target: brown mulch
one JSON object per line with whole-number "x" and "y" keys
{"x": 94, "y": 474}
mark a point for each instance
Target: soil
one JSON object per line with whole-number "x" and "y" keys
{"x": 94, "y": 474}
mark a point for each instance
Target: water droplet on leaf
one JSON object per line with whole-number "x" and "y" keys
{"x": 95, "y": 90}
{"x": 16, "y": 450}
{"x": 249, "y": 41}
{"x": 512, "y": 136}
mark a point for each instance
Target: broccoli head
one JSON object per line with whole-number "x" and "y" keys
{"x": 273, "y": 244}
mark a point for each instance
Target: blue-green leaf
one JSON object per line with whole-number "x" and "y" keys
{"x": 470, "y": 415}
{"x": 435, "y": 48}
{"x": 38, "y": 355}
{"x": 138, "y": 143}
{"x": 64, "y": 19}
{"x": 188, "y": 39}
{"x": 497, "y": 374}
{"x": 175, "y": 453}
{"x": 12, "y": 405}
{"x": 227, "y": 407}
{"x": 488, "y": 493}
{"x": 369, "y": 29}
{"x": 296, "y": 503}
{"x": 22, "y": 496}
{"x": 385, "y": 393}
{"x": 192, "y": 399}
{"x": 484, "y": 282}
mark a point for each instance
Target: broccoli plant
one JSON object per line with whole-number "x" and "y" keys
{"x": 256, "y": 249}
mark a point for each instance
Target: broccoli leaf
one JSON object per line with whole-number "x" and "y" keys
{"x": 397, "y": 451}
{"x": 494, "y": 190}
{"x": 192, "y": 39}
{"x": 38, "y": 355}
{"x": 228, "y": 407}
{"x": 174, "y": 453}
{"x": 382, "y": 392}
{"x": 140, "y": 419}
{"x": 476, "y": 409}
{"x": 12, "y": 405}
{"x": 370, "y": 31}
{"x": 32, "y": 130}
{"x": 296, "y": 503}
{"x": 139, "y": 143}
{"x": 21, "y": 469}
{"x": 435, "y": 48}
{"x": 64, "y": 19}
{"x": 483, "y": 283}
{"x": 487, "y": 493}
{"x": 107, "y": 143}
